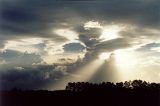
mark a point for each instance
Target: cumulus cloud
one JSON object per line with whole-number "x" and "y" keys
{"x": 17, "y": 59}
{"x": 37, "y": 76}
{"x": 67, "y": 33}
{"x": 32, "y": 45}
{"x": 92, "y": 24}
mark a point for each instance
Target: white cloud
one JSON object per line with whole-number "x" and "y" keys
{"x": 92, "y": 24}
{"x": 53, "y": 48}
{"x": 19, "y": 68}
{"x": 23, "y": 45}
{"x": 67, "y": 33}
{"x": 156, "y": 49}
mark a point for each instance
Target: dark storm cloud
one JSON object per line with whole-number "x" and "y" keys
{"x": 39, "y": 17}
{"x": 38, "y": 76}
{"x": 18, "y": 59}
{"x": 29, "y": 18}
{"x": 95, "y": 46}
{"x": 35, "y": 77}
{"x": 106, "y": 46}
{"x": 112, "y": 45}
{"x": 89, "y": 37}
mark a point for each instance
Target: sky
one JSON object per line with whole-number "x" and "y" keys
{"x": 44, "y": 44}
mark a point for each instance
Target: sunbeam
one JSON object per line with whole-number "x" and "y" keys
{"x": 119, "y": 66}
{"x": 82, "y": 74}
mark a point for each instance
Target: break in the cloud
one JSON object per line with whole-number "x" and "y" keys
{"x": 71, "y": 34}
{"x": 74, "y": 47}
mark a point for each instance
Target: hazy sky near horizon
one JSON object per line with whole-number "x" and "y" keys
{"x": 46, "y": 43}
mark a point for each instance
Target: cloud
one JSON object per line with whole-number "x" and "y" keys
{"x": 112, "y": 45}
{"x": 67, "y": 33}
{"x": 2, "y": 43}
{"x": 38, "y": 76}
{"x": 67, "y": 20}
{"x": 91, "y": 24}
{"x": 19, "y": 68}
{"x": 17, "y": 59}
{"x": 151, "y": 53}
{"x": 31, "y": 45}
{"x": 149, "y": 47}
{"x": 34, "y": 78}
{"x": 40, "y": 18}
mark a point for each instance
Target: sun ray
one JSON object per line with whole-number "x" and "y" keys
{"x": 82, "y": 74}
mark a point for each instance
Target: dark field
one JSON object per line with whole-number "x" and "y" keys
{"x": 86, "y": 94}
